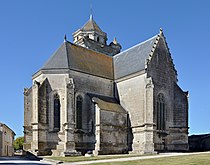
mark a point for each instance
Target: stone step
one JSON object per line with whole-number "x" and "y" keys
{"x": 66, "y": 153}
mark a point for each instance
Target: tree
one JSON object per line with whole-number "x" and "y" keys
{"x": 18, "y": 143}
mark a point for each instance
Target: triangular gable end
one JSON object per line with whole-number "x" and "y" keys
{"x": 160, "y": 36}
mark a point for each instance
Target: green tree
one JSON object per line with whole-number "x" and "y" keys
{"x": 18, "y": 143}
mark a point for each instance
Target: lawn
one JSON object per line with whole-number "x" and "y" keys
{"x": 82, "y": 158}
{"x": 198, "y": 159}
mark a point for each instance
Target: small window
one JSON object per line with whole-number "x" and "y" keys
{"x": 56, "y": 112}
{"x": 79, "y": 112}
{"x": 160, "y": 112}
{"x": 97, "y": 38}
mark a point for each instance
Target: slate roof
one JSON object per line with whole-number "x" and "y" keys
{"x": 91, "y": 26}
{"x": 107, "y": 103}
{"x": 74, "y": 57}
{"x": 133, "y": 59}
{"x": 59, "y": 60}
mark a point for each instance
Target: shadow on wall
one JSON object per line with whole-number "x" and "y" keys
{"x": 129, "y": 128}
{"x": 199, "y": 142}
{"x": 130, "y": 135}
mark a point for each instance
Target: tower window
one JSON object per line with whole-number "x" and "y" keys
{"x": 56, "y": 112}
{"x": 79, "y": 112}
{"x": 160, "y": 112}
{"x": 97, "y": 39}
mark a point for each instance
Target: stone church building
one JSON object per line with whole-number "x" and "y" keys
{"x": 89, "y": 96}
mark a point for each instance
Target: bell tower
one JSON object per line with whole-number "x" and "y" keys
{"x": 90, "y": 30}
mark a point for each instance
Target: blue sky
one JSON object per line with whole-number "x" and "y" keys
{"x": 30, "y": 31}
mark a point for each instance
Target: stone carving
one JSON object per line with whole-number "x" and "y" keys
{"x": 70, "y": 84}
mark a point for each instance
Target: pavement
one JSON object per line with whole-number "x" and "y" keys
{"x": 20, "y": 160}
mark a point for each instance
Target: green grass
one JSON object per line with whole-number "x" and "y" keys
{"x": 198, "y": 159}
{"x": 82, "y": 158}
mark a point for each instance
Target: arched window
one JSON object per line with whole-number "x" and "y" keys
{"x": 56, "y": 112}
{"x": 79, "y": 112}
{"x": 160, "y": 112}
{"x": 97, "y": 38}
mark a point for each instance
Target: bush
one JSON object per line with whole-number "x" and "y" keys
{"x": 18, "y": 143}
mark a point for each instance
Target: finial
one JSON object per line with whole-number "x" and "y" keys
{"x": 65, "y": 38}
{"x": 91, "y": 16}
{"x": 115, "y": 41}
{"x": 91, "y": 12}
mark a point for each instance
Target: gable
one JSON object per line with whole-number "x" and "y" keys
{"x": 160, "y": 64}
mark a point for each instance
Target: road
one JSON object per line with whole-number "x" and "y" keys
{"x": 18, "y": 160}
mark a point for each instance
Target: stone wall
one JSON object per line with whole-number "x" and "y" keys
{"x": 110, "y": 50}
{"x": 136, "y": 96}
{"x": 111, "y": 132}
{"x": 84, "y": 84}
{"x": 27, "y": 118}
{"x": 198, "y": 143}
{"x": 6, "y": 140}
{"x": 39, "y": 133}
{"x": 163, "y": 73}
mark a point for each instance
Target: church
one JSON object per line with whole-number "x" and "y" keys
{"x": 91, "y": 97}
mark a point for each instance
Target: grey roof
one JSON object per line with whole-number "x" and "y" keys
{"x": 107, "y": 103}
{"x": 133, "y": 59}
{"x": 59, "y": 60}
{"x": 71, "y": 56}
{"x": 91, "y": 25}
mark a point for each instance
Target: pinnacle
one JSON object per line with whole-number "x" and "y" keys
{"x": 65, "y": 39}
{"x": 115, "y": 41}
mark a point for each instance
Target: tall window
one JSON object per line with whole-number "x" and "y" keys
{"x": 56, "y": 112}
{"x": 160, "y": 112}
{"x": 79, "y": 112}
